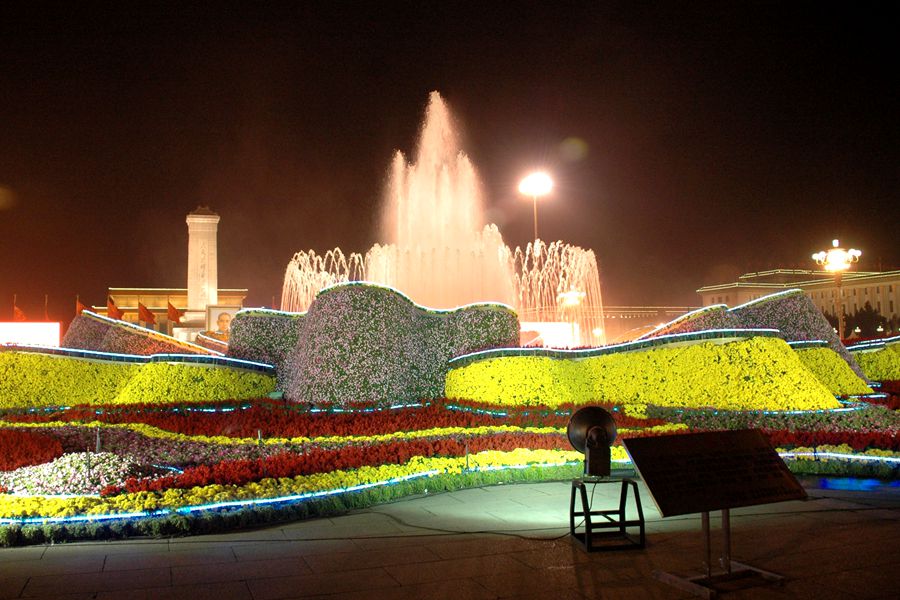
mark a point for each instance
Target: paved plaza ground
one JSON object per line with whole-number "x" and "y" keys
{"x": 496, "y": 542}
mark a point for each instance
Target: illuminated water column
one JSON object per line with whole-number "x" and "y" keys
{"x": 203, "y": 271}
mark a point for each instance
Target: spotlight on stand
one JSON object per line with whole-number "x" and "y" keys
{"x": 592, "y": 430}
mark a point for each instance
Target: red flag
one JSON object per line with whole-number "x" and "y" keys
{"x": 175, "y": 314}
{"x": 112, "y": 311}
{"x": 18, "y": 315}
{"x": 145, "y": 315}
{"x": 79, "y": 307}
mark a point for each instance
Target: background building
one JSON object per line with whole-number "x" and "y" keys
{"x": 867, "y": 295}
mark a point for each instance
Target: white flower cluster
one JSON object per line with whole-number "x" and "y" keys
{"x": 75, "y": 473}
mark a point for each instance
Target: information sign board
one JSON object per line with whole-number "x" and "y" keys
{"x": 708, "y": 471}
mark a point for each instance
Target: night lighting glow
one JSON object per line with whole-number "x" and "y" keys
{"x": 42, "y": 334}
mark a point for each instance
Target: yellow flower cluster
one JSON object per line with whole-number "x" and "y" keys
{"x": 833, "y": 371}
{"x": 33, "y": 380}
{"x": 754, "y": 374}
{"x": 32, "y": 506}
{"x": 881, "y": 365}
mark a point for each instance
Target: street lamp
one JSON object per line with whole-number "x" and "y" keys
{"x": 534, "y": 185}
{"x": 837, "y": 260}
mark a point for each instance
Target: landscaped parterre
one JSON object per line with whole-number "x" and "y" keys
{"x": 369, "y": 397}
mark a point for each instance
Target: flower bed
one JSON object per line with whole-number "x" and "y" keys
{"x": 751, "y": 374}
{"x": 176, "y": 460}
{"x": 30, "y": 379}
{"x": 832, "y": 371}
{"x": 881, "y": 365}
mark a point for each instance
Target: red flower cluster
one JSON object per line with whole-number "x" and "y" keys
{"x": 24, "y": 448}
{"x": 324, "y": 460}
{"x": 858, "y": 440}
{"x": 278, "y": 419}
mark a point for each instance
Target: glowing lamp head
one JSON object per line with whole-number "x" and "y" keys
{"x": 536, "y": 184}
{"x": 836, "y": 258}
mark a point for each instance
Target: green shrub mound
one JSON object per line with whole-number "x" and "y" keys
{"x": 30, "y": 380}
{"x": 881, "y": 365}
{"x": 833, "y": 371}
{"x": 754, "y": 374}
{"x": 367, "y": 343}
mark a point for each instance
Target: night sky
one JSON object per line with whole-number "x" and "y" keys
{"x": 717, "y": 138}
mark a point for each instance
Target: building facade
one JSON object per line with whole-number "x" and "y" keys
{"x": 880, "y": 290}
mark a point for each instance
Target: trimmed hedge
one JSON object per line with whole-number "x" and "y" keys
{"x": 371, "y": 344}
{"x": 832, "y": 371}
{"x": 759, "y": 373}
{"x": 28, "y": 380}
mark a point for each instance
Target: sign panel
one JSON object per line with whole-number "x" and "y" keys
{"x": 703, "y": 472}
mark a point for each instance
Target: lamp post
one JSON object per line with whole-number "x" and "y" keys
{"x": 534, "y": 185}
{"x": 837, "y": 260}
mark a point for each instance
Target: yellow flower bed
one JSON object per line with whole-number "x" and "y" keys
{"x": 38, "y": 506}
{"x": 755, "y": 374}
{"x": 30, "y": 380}
{"x": 833, "y": 371}
{"x": 881, "y": 365}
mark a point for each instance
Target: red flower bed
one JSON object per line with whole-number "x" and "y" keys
{"x": 277, "y": 419}
{"x": 324, "y": 460}
{"x": 858, "y": 440}
{"x": 24, "y": 448}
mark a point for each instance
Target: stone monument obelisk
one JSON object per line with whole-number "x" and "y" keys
{"x": 203, "y": 270}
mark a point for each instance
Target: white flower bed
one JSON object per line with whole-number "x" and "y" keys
{"x": 75, "y": 473}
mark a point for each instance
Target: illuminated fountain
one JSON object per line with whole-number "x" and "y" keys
{"x": 441, "y": 253}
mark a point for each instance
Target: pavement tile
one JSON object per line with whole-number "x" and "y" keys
{"x": 20, "y": 554}
{"x": 185, "y": 556}
{"x": 52, "y": 566}
{"x": 482, "y": 545}
{"x": 236, "y": 590}
{"x": 300, "y": 586}
{"x": 283, "y": 549}
{"x": 458, "y": 589}
{"x": 241, "y": 570}
{"x": 366, "y": 559}
{"x": 424, "y": 539}
{"x": 11, "y": 587}
{"x": 45, "y": 585}
{"x": 459, "y": 568}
